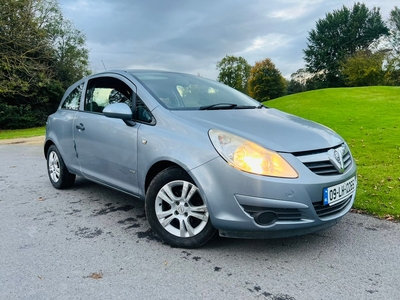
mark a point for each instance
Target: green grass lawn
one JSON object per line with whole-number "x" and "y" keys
{"x": 22, "y": 133}
{"x": 368, "y": 118}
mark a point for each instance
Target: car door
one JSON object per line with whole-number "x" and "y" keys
{"x": 61, "y": 130}
{"x": 107, "y": 147}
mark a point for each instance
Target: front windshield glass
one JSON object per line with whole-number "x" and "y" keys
{"x": 178, "y": 91}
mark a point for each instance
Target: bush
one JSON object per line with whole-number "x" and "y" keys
{"x": 21, "y": 112}
{"x": 20, "y": 117}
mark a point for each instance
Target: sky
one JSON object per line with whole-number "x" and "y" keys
{"x": 191, "y": 36}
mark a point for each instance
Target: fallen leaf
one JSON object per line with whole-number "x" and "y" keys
{"x": 96, "y": 275}
{"x": 389, "y": 218}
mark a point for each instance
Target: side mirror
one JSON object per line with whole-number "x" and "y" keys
{"x": 118, "y": 111}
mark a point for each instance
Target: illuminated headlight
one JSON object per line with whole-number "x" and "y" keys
{"x": 250, "y": 157}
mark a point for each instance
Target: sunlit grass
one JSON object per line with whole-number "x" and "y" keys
{"x": 22, "y": 133}
{"x": 368, "y": 119}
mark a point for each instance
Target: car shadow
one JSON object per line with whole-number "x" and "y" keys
{"x": 129, "y": 213}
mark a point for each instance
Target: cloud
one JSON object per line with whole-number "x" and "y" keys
{"x": 294, "y": 10}
{"x": 191, "y": 36}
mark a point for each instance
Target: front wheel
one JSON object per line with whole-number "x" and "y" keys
{"x": 59, "y": 175}
{"x": 176, "y": 211}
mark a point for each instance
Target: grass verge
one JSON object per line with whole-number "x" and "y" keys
{"x": 368, "y": 119}
{"x": 22, "y": 133}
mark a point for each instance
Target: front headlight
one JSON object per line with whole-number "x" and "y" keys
{"x": 250, "y": 157}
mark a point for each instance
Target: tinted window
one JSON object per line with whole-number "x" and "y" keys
{"x": 73, "y": 99}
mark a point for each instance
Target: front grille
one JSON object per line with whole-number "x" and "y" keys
{"x": 323, "y": 163}
{"x": 283, "y": 214}
{"x": 322, "y": 167}
{"x": 324, "y": 211}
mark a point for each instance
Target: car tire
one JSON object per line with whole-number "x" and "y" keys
{"x": 176, "y": 211}
{"x": 58, "y": 173}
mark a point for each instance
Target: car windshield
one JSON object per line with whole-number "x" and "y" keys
{"x": 178, "y": 91}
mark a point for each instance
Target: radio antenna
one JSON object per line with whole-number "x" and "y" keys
{"x": 104, "y": 65}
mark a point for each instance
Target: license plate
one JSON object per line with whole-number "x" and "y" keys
{"x": 339, "y": 192}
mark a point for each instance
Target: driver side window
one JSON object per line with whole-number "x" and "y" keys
{"x": 104, "y": 91}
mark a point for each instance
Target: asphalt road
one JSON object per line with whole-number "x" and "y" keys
{"x": 90, "y": 242}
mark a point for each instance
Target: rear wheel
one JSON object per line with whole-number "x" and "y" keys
{"x": 58, "y": 173}
{"x": 176, "y": 211}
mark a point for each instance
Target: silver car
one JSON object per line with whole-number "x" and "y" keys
{"x": 204, "y": 157}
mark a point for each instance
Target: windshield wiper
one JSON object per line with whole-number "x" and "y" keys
{"x": 228, "y": 106}
{"x": 246, "y": 107}
{"x": 218, "y": 106}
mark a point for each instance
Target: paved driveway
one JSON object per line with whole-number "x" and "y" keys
{"x": 90, "y": 242}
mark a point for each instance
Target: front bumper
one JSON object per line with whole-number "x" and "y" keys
{"x": 244, "y": 205}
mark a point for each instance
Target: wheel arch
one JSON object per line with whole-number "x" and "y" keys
{"x": 156, "y": 169}
{"x": 47, "y": 146}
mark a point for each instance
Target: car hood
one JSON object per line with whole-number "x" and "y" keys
{"x": 268, "y": 127}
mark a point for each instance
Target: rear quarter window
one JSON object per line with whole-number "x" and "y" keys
{"x": 73, "y": 99}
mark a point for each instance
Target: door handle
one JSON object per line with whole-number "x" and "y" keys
{"x": 80, "y": 127}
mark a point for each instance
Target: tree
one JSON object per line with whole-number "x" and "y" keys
{"x": 25, "y": 51}
{"x": 394, "y": 26}
{"x": 234, "y": 72}
{"x": 41, "y": 54}
{"x": 340, "y": 34}
{"x": 266, "y": 81}
{"x": 71, "y": 57}
{"x": 298, "y": 81}
{"x": 363, "y": 68}
{"x": 294, "y": 87}
{"x": 392, "y": 70}
{"x": 392, "y": 76}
